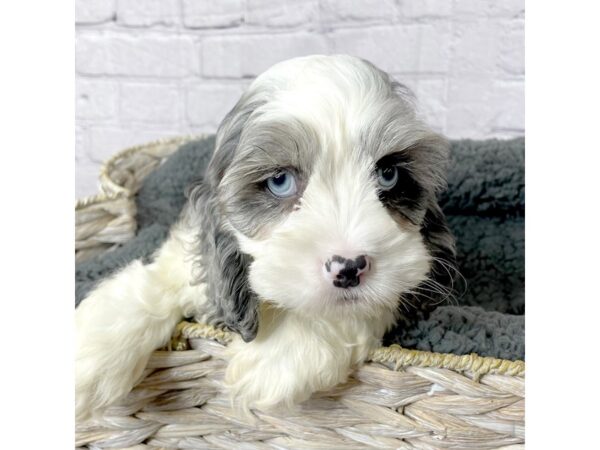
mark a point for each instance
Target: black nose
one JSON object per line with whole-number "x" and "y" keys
{"x": 345, "y": 272}
{"x": 346, "y": 279}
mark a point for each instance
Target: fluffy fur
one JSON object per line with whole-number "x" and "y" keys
{"x": 242, "y": 258}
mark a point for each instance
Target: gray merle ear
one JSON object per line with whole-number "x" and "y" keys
{"x": 434, "y": 228}
{"x": 224, "y": 268}
{"x": 430, "y": 162}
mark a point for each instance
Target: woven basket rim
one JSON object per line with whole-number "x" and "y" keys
{"x": 120, "y": 191}
{"x": 95, "y": 199}
{"x": 393, "y": 356}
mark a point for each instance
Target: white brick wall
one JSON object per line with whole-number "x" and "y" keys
{"x": 155, "y": 68}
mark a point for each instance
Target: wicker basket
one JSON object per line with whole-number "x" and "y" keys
{"x": 401, "y": 399}
{"x": 108, "y": 219}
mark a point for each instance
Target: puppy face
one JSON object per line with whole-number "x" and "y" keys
{"x": 324, "y": 176}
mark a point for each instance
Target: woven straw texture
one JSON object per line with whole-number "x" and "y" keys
{"x": 401, "y": 399}
{"x": 108, "y": 219}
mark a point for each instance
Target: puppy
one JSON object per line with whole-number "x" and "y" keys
{"x": 315, "y": 222}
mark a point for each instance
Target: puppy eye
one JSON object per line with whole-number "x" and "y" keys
{"x": 283, "y": 184}
{"x": 387, "y": 177}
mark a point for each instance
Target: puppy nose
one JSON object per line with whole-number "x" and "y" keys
{"x": 346, "y": 272}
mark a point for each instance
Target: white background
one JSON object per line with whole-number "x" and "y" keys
{"x": 156, "y": 68}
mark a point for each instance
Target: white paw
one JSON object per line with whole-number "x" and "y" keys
{"x": 103, "y": 376}
{"x": 262, "y": 377}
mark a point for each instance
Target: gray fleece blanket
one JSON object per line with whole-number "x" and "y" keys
{"x": 485, "y": 207}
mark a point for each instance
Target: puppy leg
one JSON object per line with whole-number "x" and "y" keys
{"x": 126, "y": 318}
{"x": 294, "y": 356}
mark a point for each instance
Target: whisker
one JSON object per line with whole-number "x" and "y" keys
{"x": 453, "y": 272}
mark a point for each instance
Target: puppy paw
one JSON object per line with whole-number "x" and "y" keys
{"x": 109, "y": 360}
{"x": 103, "y": 377}
{"x": 260, "y": 376}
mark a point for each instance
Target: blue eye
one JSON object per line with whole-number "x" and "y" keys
{"x": 282, "y": 185}
{"x": 387, "y": 177}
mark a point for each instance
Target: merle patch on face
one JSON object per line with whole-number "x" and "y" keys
{"x": 407, "y": 196}
{"x": 268, "y": 149}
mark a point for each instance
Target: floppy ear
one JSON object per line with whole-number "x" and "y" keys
{"x": 224, "y": 266}
{"x": 431, "y": 161}
{"x": 437, "y": 236}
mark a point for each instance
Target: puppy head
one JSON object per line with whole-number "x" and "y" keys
{"x": 325, "y": 182}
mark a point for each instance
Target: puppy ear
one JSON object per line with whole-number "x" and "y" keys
{"x": 430, "y": 158}
{"x": 224, "y": 268}
{"x": 434, "y": 229}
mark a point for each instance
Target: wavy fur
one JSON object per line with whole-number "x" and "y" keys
{"x": 244, "y": 259}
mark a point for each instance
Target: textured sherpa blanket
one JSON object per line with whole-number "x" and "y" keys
{"x": 485, "y": 207}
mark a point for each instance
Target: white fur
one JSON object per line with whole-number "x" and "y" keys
{"x": 311, "y": 334}
{"x": 295, "y": 355}
{"x": 339, "y": 213}
{"x": 126, "y": 318}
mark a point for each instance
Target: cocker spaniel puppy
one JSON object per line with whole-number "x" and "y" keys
{"x": 316, "y": 219}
